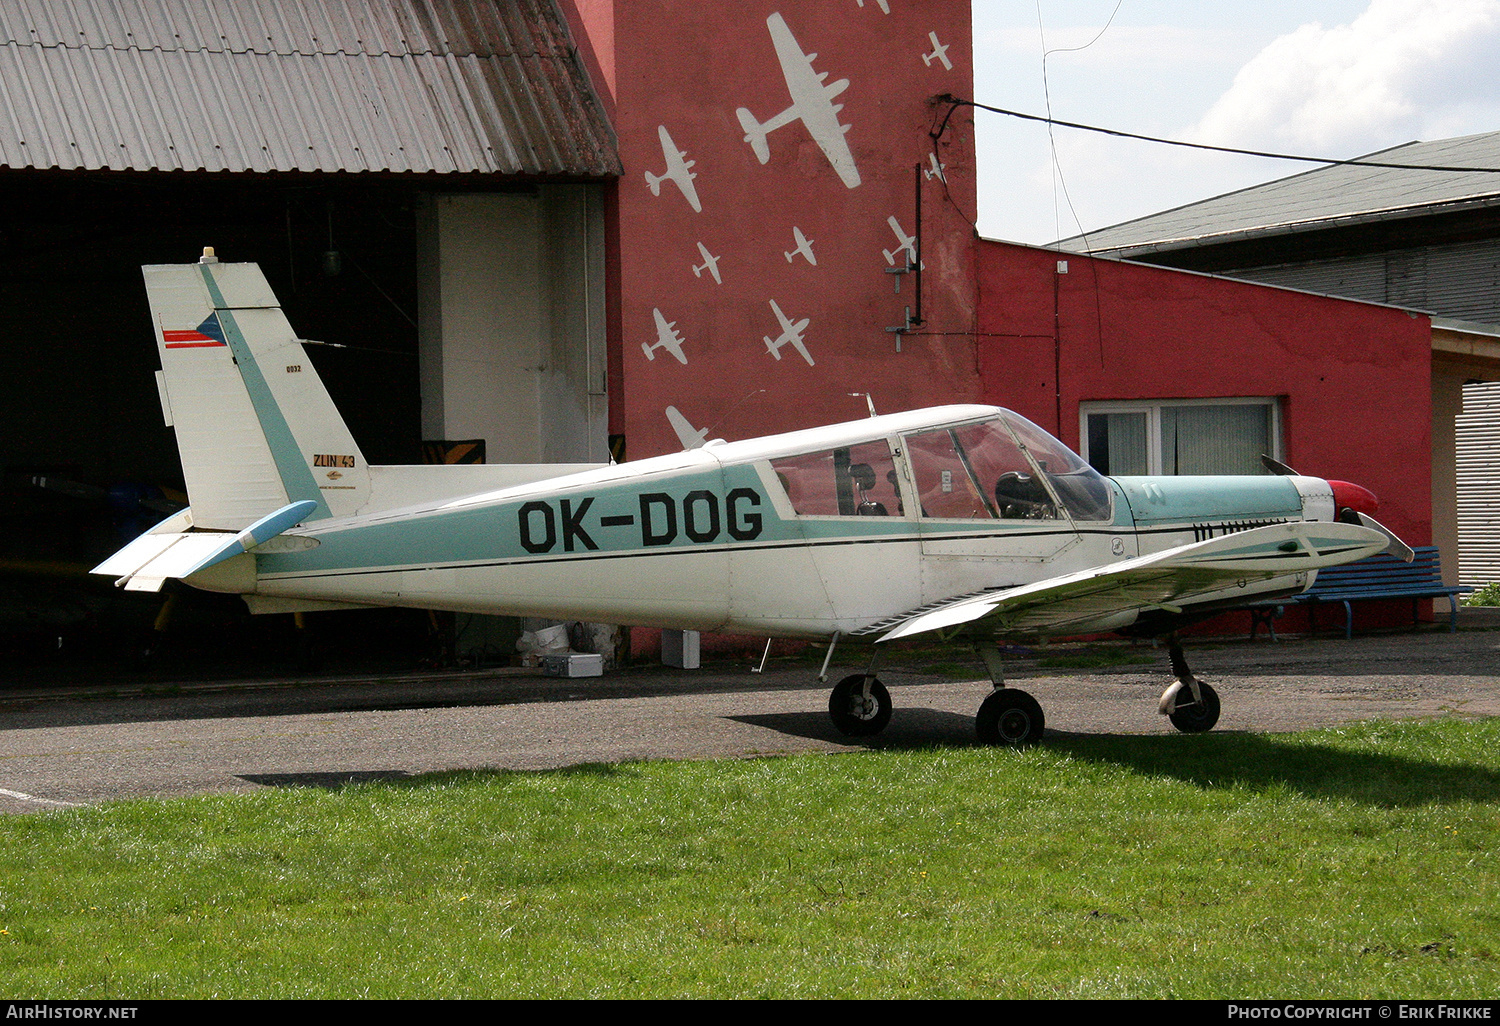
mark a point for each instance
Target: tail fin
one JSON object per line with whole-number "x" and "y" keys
{"x": 256, "y": 429}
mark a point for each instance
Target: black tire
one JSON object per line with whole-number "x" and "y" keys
{"x": 1010, "y": 717}
{"x": 852, "y": 713}
{"x": 1196, "y": 717}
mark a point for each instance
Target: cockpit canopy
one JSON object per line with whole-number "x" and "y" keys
{"x": 1000, "y": 468}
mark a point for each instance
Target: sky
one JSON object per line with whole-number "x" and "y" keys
{"x": 1336, "y": 78}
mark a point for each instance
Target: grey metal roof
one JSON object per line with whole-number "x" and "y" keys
{"x": 298, "y": 85}
{"x": 1321, "y": 198}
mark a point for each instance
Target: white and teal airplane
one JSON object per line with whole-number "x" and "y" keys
{"x": 960, "y": 522}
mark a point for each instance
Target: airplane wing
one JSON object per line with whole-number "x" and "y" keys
{"x": 1090, "y": 599}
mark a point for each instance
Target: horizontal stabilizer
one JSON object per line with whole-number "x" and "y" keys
{"x": 169, "y": 551}
{"x": 1162, "y": 580}
{"x": 146, "y": 547}
{"x": 263, "y": 530}
{"x": 167, "y": 555}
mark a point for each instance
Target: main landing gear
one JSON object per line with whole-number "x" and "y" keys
{"x": 1007, "y": 716}
{"x": 860, "y": 706}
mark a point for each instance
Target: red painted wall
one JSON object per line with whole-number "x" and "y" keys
{"x": 689, "y": 67}
{"x": 1354, "y": 379}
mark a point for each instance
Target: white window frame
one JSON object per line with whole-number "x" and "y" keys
{"x": 1152, "y": 409}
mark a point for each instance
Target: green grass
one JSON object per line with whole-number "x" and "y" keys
{"x": 1358, "y": 862}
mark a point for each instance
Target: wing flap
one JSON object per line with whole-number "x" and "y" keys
{"x": 1162, "y": 580}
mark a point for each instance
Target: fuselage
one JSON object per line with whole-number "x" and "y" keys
{"x": 794, "y": 535}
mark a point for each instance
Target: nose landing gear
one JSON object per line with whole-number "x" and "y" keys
{"x": 1190, "y": 704}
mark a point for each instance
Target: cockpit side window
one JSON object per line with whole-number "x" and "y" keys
{"x": 1005, "y": 472}
{"x": 947, "y": 487}
{"x": 855, "y": 481}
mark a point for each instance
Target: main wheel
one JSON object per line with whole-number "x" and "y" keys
{"x": 856, "y": 714}
{"x": 1010, "y": 717}
{"x": 1196, "y": 717}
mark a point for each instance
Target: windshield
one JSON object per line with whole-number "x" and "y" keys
{"x": 979, "y": 472}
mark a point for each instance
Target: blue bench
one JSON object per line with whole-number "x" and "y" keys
{"x": 1376, "y": 577}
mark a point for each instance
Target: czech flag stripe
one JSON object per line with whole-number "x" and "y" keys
{"x": 209, "y": 333}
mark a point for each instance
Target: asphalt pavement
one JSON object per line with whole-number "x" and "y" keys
{"x": 80, "y": 743}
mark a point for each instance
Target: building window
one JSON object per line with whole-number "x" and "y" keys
{"x": 1221, "y": 436}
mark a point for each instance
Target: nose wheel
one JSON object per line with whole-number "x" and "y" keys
{"x": 859, "y": 705}
{"x": 1192, "y": 714}
{"x": 1191, "y": 705}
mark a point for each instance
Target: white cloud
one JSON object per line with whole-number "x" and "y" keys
{"x": 1403, "y": 69}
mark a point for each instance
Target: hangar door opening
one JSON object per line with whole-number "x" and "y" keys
{"x": 511, "y": 322}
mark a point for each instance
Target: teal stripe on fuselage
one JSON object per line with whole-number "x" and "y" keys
{"x": 296, "y": 475}
{"x": 699, "y": 510}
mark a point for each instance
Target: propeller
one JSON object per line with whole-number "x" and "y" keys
{"x": 1346, "y": 498}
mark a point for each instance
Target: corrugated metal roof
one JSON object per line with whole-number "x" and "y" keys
{"x": 1318, "y": 199}
{"x": 310, "y": 85}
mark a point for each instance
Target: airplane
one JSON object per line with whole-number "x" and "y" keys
{"x": 689, "y": 436}
{"x": 666, "y": 338}
{"x": 939, "y": 53}
{"x": 962, "y": 523}
{"x": 677, "y": 171}
{"x": 904, "y": 243}
{"x": 936, "y": 171}
{"x": 804, "y": 246}
{"x": 812, "y": 104}
{"x": 790, "y": 333}
{"x": 710, "y": 264}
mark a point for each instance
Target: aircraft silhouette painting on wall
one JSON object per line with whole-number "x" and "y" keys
{"x": 812, "y": 104}
{"x": 677, "y": 171}
{"x": 939, "y": 53}
{"x": 666, "y": 338}
{"x": 710, "y": 264}
{"x": 791, "y": 334}
{"x": 965, "y": 523}
{"x": 803, "y": 247}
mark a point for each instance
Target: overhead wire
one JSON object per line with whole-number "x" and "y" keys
{"x": 1057, "y": 174}
{"x": 957, "y": 102}
{"x": 954, "y": 103}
